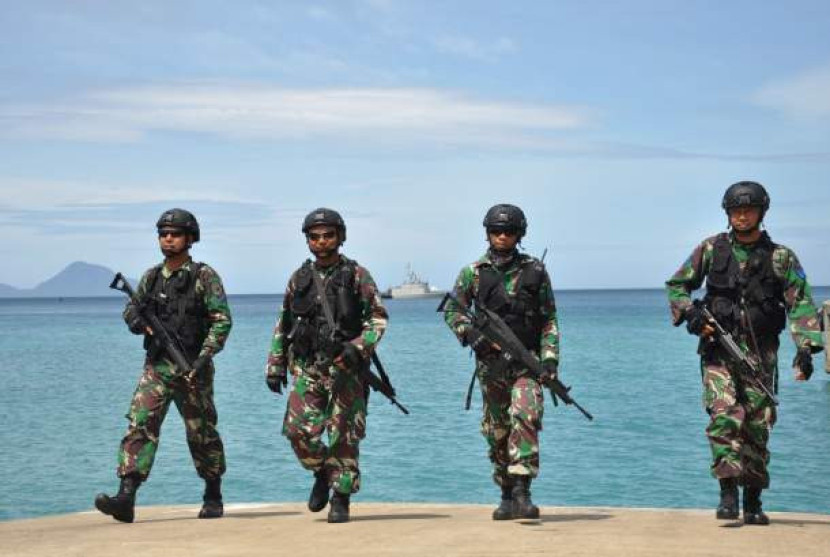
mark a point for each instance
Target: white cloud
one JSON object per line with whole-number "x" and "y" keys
{"x": 803, "y": 96}
{"x": 273, "y": 113}
{"x": 65, "y": 195}
{"x": 476, "y": 50}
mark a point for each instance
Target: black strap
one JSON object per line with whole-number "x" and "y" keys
{"x": 323, "y": 299}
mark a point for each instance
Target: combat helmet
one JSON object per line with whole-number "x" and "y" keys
{"x": 179, "y": 218}
{"x": 325, "y": 217}
{"x": 503, "y": 216}
{"x": 746, "y": 194}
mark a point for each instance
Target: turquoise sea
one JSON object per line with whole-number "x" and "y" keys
{"x": 68, "y": 369}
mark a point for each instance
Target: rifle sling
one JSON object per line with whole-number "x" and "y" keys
{"x": 321, "y": 297}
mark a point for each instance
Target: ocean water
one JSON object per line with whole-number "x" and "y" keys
{"x": 68, "y": 370}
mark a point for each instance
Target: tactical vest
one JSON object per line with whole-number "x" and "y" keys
{"x": 728, "y": 288}
{"x": 311, "y": 332}
{"x": 182, "y": 312}
{"x": 521, "y": 311}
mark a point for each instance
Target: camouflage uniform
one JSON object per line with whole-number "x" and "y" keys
{"x": 513, "y": 400}
{"x": 162, "y": 383}
{"x": 323, "y": 397}
{"x": 741, "y": 416}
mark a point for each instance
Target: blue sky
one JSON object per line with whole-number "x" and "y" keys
{"x": 615, "y": 125}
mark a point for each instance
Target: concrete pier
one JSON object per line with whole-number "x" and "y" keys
{"x": 414, "y": 529}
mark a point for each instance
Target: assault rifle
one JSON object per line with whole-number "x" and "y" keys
{"x": 511, "y": 350}
{"x": 735, "y": 353}
{"x": 161, "y": 339}
{"x": 381, "y": 383}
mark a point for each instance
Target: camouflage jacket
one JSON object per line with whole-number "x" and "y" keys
{"x": 209, "y": 287}
{"x": 803, "y": 318}
{"x": 373, "y": 316}
{"x": 466, "y": 289}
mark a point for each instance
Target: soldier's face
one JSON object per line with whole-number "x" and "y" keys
{"x": 503, "y": 239}
{"x": 173, "y": 241}
{"x": 322, "y": 240}
{"x": 745, "y": 219}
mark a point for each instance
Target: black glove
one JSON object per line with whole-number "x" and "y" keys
{"x": 803, "y": 361}
{"x": 694, "y": 320}
{"x": 200, "y": 365}
{"x": 135, "y": 322}
{"x": 276, "y": 381}
{"x": 349, "y": 357}
{"x": 550, "y": 371}
{"x": 480, "y": 345}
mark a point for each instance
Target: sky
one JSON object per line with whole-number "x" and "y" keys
{"x": 615, "y": 125}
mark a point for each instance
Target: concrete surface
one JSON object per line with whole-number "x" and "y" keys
{"x": 414, "y": 529}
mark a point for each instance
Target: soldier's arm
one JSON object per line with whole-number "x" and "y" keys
{"x": 374, "y": 315}
{"x": 130, "y": 311}
{"x": 463, "y": 289}
{"x": 277, "y": 357}
{"x": 688, "y": 278}
{"x": 549, "y": 346}
{"x": 218, "y": 311}
{"x": 805, "y": 326}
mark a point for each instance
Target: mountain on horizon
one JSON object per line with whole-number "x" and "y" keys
{"x": 78, "y": 279}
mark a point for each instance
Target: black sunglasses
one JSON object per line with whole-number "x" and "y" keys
{"x": 506, "y": 231}
{"x": 174, "y": 233}
{"x": 314, "y": 236}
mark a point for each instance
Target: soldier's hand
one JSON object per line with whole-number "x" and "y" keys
{"x": 803, "y": 364}
{"x": 480, "y": 345}
{"x": 136, "y": 324}
{"x": 349, "y": 357}
{"x": 201, "y": 364}
{"x": 696, "y": 323}
{"x": 550, "y": 371}
{"x": 276, "y": 382}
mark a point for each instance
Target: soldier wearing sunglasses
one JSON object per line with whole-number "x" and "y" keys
{"x": 327, "y": 395}
{"x": 518, "y": 288}
{"x": 189, "y": 300}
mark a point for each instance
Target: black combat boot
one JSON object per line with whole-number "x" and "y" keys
{"x": 728, "y": 506}
{"x": 753, "y": 514}
{"x": 523, "y": 507}
{"x": 319, "y": 497}
{"x": 122, "y": 506}
{"x": 505, "y": 509}
{"x": 212, "y": 506}
{"x": 339, "y": 508}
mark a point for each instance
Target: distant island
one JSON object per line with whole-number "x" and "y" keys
{"x": 78, "y": 279}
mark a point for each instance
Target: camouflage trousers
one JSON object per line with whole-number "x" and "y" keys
{"x": 512, "y": 419}
{"x": 315, "y": 407}
{"x": 741, "y": 418}
{"x": 158, "y": 386}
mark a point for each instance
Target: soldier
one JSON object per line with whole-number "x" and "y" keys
{"x": 328, "y": 394}
{"x": 189, "y": 300}
{"x": 518, "y": 288}
{"x": 752, "y": 286}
